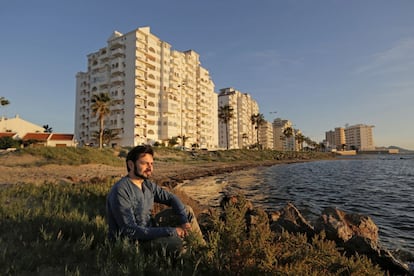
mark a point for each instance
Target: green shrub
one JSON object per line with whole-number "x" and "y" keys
{"x": 8, "y": 142}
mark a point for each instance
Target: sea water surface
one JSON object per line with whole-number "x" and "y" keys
{"x": 380, "y": 186}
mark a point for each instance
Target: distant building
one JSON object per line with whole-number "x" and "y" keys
{"x": 330, "y": 140}
{"x": 281, "y": 142}
{"x": 12, "y": 135}
{"x": 340, "y": 140}
{"x": 241, "y": 131}
{"x": 33, "y": 134}
{"x": 61, "y": 140}
{"x": 18, "y": 126}
{"x": 266, "y": 135}
{"x": 359, "y": 137}
{"x": 49, "y": 140}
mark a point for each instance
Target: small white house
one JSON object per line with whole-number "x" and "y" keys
{"x": 50, "y": 139}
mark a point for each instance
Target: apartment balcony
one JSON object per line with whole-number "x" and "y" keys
{"x": 117, "y": 107}
{"x": 151, "y": 107}
{"x": 118, "y": 52}
{"x": 190, "y": 107}
{"x": 115, "y": 72}
{"x": 141, "y": 88}
{"x": 151, "y": 94}
{"x": 151, "y": 82}
{"x": 117, "y": 79}
{"x": 140, "y": 77}
{"x": 204, "y": 111}
{"x": 140, "y": 56}
{"x": 140, "y": 107}
{"x": 103, "y": 86}
{"x": 141, "y": 49}
{"x": 140, "y": 67}
{"x": 139, "y": 100}
{"x": 150, "y": 67}
{"x": 104, "y": 58}
{"x": 139, "y": 122}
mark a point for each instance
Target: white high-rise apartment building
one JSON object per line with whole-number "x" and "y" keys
{"x": 157, "y": 93}
{"x": 241, "y": 131}
{"x": 359, "y": 137}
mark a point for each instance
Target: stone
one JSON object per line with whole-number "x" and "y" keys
{"x": 340, "y": 226}
{"x": 291, "y": 220}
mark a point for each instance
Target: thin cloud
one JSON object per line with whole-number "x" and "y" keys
{"x": 398, "y": 59}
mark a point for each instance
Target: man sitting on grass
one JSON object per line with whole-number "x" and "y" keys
{"x": 130, "y": 202}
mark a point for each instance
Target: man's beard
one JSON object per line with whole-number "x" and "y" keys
{"x": 137, "y": 174}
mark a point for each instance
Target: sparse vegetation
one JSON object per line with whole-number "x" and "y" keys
{"x": 115, "y": 157}
{"x": 61, "y": 230}
{"x": 72, "y": 156}
{"x": 58, "y": 229}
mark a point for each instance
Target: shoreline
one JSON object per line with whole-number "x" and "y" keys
{"x": 170, "y": 175}
{"x": 166, "y": 173}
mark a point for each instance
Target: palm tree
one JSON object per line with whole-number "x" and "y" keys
{"x": 300, "y": 138}
{"x": 4, "y": 101}
{"x": 257, "y": 120}
{"x": 183, "y": 139}
{"x": 288, "y": 132}
{"x": 47, "y": 128}
{"x": 100, "y": 107}
{"x": 173, "y": 141}
{"x": 225, "y": 114}
{"x": 109, "y": 135}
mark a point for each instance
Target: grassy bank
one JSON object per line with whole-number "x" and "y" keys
{"x": 61, "y": 230}
{"x": 116, "y": 157}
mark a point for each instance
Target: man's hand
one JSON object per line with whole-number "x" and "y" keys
{"x": 183, "y": 230}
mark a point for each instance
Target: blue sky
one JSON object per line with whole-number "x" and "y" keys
{"x": 320, "y": 64}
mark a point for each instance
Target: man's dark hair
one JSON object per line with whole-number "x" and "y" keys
{"x": 137, "y": 152}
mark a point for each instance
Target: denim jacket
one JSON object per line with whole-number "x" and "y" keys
{"x": 129, "y": 210}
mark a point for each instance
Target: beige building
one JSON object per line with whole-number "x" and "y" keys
{"x": 158, "y": 93}
{"x": 280, "y": 141}
{"x": 335, "y": 139}
{"x": 241, "y": 131}
{"x": 298, "y": 144}
{"x": 359, "y": 137}
{"x": 340, "y": 140}
{"x": 266, "y": 135}
{"x": 356, "y": 137}
{"x": 19, "y": 126}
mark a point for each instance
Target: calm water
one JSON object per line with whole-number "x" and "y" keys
{"x": 380, "y": 186}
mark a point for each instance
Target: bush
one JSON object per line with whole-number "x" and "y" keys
{"x": 8, "y": 142}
